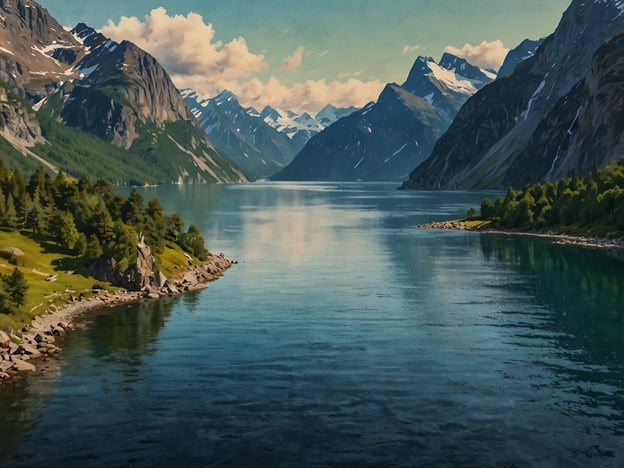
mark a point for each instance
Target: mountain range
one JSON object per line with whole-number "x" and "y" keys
{"x": 262, "y": 143}
{"x": 78, "y": 101}
{"x": 81, "y": 102}
{"x": 386, "y": 139}
{"x": 558, "y": 112}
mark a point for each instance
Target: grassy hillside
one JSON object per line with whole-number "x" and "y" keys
{"x": 43, "y": 260}
{"x": 40, "y": 262}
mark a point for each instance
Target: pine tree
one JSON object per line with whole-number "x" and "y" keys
{"x": 94, "y": 249}
{"x": 10, "y": 215}
{"x": 63, "y": 229}
{"x": 16, "y": 286}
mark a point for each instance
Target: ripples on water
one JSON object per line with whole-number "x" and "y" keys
{"x": 345, "y": 336}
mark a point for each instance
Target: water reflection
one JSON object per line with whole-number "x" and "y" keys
{"x": 583, "y": 292}
{"x": 129, "y": 329}
{"x": 105, "y": 358}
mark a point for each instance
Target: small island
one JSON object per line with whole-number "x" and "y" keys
{"x": 68, "y": 246}
{"x": 587, "y": 211}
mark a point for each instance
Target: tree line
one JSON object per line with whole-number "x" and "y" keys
{"x": 596, "y": 199}
{"x": 89, "y": 219}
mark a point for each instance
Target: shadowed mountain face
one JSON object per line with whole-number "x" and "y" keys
{"x": 246, "y": 139}
{"x": 135, "y": 126}
{"x": 386, "y": 139}
{"x": 493, "y": 140}
{"x": 523, "y": 51}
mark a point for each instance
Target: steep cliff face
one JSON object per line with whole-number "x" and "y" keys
{"x": 36, "y": 52}
{"x": 494, "y": 127}
{"x": 122, "y": 84}
{"x": 28, "y": 69}
{"x": 18, "y": 122}
{"x": 585, "y": 129}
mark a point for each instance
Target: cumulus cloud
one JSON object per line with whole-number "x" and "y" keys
{"x": 186, "y": 45}
{"x": 310, "y": 96}
{"x": 485, "y": 55}
{"x": 188, "y": 49}
{"x": 407, "y": 49}
{"x": 293, "y": 62}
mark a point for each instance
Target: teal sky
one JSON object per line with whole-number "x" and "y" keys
{"x": 365, "y": 40}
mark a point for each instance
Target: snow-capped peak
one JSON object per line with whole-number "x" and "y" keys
{"x": 290, "y": 122}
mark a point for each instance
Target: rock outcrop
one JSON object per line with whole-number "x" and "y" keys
{"x": 142, "y": 276}
{"x": 18, "y": 123}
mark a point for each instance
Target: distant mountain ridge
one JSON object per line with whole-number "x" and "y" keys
{"x": 514, "y": 131}
{"x": 246, "y": 139}
{"x": 387, "y": 138}
{"x": 301, "y": 127}
{"x": 103, "y": 108}
{"x": 262, "y": 143}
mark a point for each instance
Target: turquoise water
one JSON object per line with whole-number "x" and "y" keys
{"x": 345, "y": 336}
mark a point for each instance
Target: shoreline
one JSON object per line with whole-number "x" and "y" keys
{"x": 559, "y": 239}
{"x": 20, "y": 355}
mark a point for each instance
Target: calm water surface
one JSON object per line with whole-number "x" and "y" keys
{"x": 345, "y": 336}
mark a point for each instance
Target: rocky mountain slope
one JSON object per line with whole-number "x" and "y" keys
{"x": 490, "y": 141}
{"x": 103, "y": 108}
{"x": 387, "y": 138}
{"x": 585, "y": 129}
{"x": 243, "y": 137}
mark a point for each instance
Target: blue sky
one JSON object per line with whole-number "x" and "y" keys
{"x": 298, "y": 54}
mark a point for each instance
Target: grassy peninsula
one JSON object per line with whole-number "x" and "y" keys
{"x": 53, "y": 229}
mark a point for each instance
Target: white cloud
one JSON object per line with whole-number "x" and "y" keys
{"x": 410, "y": 48}
{"x": 311, "y": 95}
{"x": 186, "y": 45}
{"x": 188, "y": 49}
{"x": 293, "y": 62}
{"x": 485, "y": 55}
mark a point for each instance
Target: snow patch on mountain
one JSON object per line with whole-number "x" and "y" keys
{"x": 453, "y": 81}
{"x": 289, "y": 122}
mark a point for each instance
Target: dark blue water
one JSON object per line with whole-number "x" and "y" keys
{"x": 345, "y": 336}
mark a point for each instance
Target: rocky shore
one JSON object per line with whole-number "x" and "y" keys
{"x": 562, "y": 239}
{"x": 19, "y": 354}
